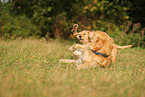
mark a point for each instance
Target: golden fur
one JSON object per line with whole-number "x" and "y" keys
{"x": 90, "y": 41}
{"x": 93, "y": 41}
{"x": 97, "y": 41}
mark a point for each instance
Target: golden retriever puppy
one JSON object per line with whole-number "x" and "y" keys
{"x": 92, "y": 58}
{"x": 104, "y": 44}
{"x": 99, "y": 48}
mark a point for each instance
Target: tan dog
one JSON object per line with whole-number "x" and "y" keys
{"x": 97, "y": 41}
{"x": 93, "y": 41}
{"x": 89, "y": 57}
{"x": 101, "y": 42}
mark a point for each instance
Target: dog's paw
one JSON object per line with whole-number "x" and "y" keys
{"x": 77, "y": 53}
{"x": 71, "y": 48}
{"x": 61, "y": 60}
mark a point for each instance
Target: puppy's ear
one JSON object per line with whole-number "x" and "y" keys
{"x": 91, "y": 36}
{"x": 98, "y": 44}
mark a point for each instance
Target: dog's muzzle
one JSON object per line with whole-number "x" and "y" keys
{"x": 80, "y": 37}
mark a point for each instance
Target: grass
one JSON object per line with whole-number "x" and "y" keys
{"x": 30, "y": 68}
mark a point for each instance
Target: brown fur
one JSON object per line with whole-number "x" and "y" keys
{"x": 97, "y": 41}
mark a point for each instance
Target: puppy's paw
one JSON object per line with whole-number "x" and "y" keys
{"x": 61, "y": 60}
{"x": 71, "y": 48}
{"x": 77, "y": 53}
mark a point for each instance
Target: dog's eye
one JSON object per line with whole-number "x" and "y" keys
{"x": 84, "y": 34}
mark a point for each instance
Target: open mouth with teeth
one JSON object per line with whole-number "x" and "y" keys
{"x": 81, "y": 39}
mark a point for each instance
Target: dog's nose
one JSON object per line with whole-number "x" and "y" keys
{"x": 80, "y": 37}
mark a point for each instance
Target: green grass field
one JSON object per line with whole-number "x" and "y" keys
{"x": 30, "y": 68}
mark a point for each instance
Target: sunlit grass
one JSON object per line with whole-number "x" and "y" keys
{"x": 30, "y": 68}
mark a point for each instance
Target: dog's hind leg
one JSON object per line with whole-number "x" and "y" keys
{"x": 67, "y": 61}
{"x": 113, "y": 53}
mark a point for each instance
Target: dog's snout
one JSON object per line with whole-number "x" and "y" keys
{"x": 80, "y": 37}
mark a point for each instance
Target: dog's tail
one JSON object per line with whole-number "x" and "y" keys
{"x": 122, "y": 47}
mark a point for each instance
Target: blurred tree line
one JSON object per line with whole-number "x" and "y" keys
{"x": 124, "y": 20}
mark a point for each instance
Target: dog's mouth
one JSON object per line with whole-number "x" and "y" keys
{"x": 81, "y": 39}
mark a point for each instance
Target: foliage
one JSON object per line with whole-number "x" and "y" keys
{"x": 137, "y": 11}
{"x": 135, "y": 36}
{"x": 30, "y": 68}
{"x": 54, "y": 18}
{"x": 16, "y": 26}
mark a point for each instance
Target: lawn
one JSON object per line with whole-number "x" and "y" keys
{"x": 30, "y": 68}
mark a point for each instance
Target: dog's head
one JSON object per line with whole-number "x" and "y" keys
{"x": 90, "y": 37}
{"x": 84, "y": 36}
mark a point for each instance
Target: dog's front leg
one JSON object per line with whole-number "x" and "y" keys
{"x": 67, "y": 61}
{"x": 79, "y": 47}
{"x": 113, "y": 53}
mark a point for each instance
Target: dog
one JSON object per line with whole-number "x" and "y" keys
{"x": 90, "y": 58}
{"x": 99, "y": 48}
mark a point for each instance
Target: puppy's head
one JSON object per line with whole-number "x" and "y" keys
{"x": 83, "y": 36}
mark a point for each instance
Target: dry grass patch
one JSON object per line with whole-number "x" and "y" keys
{"x": 30, "y": 68}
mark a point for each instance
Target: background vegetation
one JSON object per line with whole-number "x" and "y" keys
{"x": 121, "y": 19}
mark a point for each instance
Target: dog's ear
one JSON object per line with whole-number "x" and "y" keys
{"x": 91, "y": 36}
{"x": 98, "y": 44}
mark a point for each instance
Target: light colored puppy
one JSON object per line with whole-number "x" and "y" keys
{"x": 99, "y": 48}
{"x": 105, "y": 44}
{"x": 90, "y": 58}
